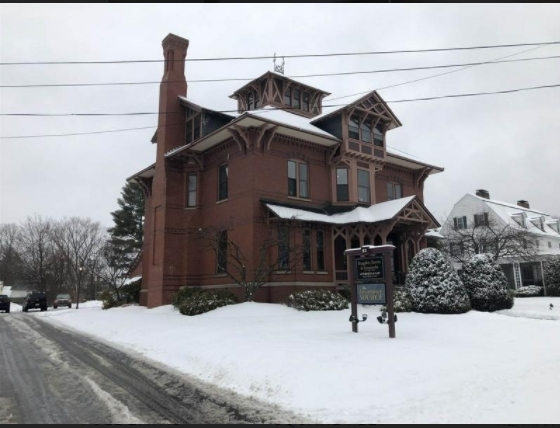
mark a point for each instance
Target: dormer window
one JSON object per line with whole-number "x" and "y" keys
{"x": 305, "y": 102}
{"x": 378, "y": 134}
{"x": 366, "y": 131}
{"x": 252, "y": 99}
{"x": 288, "y": 97}
{"x": 296, "y": 99}
{"x": 354, "y": 128}
{"x": 519, "y": 219}
{"x": 555, "y": 225}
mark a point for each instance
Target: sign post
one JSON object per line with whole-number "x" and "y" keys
{"x": 370, "y": 281}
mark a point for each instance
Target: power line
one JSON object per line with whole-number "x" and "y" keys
{"x": 283, "y": 56}
{"x": 493, "y": 61}
{"x": 344, "y": 73}
{"x": 274, "y": 109}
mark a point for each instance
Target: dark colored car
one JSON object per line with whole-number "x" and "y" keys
{"x": 4, "y": 303}
{"x": 62, "y": 300}
{"x": 35, "y": 300}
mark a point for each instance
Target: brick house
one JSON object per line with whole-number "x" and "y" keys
{"x": 285, "y": 164}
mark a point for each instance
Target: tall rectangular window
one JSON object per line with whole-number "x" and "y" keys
{"x": 292, "y": 178}
{"x": 354, "y": 128}
{"x": 365, "y": 128}
{"x": 320, "y": 250}
{"x": 222, "y": 182}
{"x": 298, "y": 179}
{"x": 305, "y": 101}
{"x": 222, "y": 252}
{"x": 460, "y": 222}
{"x": 306, "y": 249}
{"x": 378, "y": 134}
{"x": 342, "y": 193}
{"x": 394, "y": 191}
{"x": 191, "y": 190}
{"x": 303, "y": 181}
{"x": 249, "y": 100}
{"x": 283, "y": 247}
{"x": 288, "y": 97}
{"x": 297, "y": 98}
{"x": 364, "y": 193}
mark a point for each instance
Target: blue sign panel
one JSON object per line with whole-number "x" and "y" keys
{"x": 371, "y": 294}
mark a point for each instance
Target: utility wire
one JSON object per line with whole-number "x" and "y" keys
{"x": 283, "y": 56}
{"x": 496, "y": 60}
{"x": 344, "y": 73}
{"x": 268, "y": 110}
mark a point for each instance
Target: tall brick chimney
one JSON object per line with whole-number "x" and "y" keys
{"x": 483, "y": 193}
{"x": 163, "y": 262}
{"x": 173, "y": 84}
{"x": 524, "y": 204}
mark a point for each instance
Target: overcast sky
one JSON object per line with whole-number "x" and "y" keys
{"x": 508, "y": 144}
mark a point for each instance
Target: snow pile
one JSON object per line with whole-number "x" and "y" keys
{"x": 434, "y": 285}
{"x": 486, "y": 284}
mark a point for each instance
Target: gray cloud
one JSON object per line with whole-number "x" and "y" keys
{"x": 508, "y": 144}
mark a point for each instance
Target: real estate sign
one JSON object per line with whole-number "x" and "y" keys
{"x": 370, "y": 281}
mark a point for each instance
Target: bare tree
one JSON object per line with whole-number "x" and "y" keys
{"x": 80, "y": 242}
{"x": 500, "y": 239}
{"x": 36, "y": 251}
{"x": 275, "y": 253}
{"x": 10, "y": 261}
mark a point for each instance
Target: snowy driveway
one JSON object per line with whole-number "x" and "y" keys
{"x": 48, "y": 375}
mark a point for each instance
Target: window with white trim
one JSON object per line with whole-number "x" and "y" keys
{"x": 460, "y": 222}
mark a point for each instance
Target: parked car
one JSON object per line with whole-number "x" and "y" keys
{"x": 4, "y": 303}
{"x": 62, "y": 300}
{"x": 35, "y": 300}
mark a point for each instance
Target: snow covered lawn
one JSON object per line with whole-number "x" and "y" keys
{"x": 471, "y": 368}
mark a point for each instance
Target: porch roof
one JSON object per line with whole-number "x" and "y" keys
{"x": 372, "y": 214}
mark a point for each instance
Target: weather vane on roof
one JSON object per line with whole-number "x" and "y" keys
{"x": 279, "y": 68}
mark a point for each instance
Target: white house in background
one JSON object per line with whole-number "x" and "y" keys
{"x": 546, "y": 230}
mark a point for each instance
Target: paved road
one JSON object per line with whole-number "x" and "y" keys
{"x": 50, "y": 375}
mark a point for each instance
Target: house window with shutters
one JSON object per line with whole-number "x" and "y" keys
{"x": 460, "y": 222}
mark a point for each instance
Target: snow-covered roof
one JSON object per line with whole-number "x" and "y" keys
{"x": 290, "y": 119}
{"x": 131, "y": 280}
{"x": 434, "y": 233}
{"x": 507, "y": 212}
{"x": 372, "y": 214}
{"x": 204, "y": 106}
{"x": 235, "y": 94}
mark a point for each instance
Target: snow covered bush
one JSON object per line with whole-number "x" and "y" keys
{"x": 529, "y": 291}
{"x": 434, "y": 285}
{"x": 486, "y": 284}
{"x": 552, "y": 276}
{"x": 317, "y": 300}
{"x": 402, "y": 300}
{"x": 196, "y": 301}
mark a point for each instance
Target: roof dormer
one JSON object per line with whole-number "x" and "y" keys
{"x": 538, "y": 222}
{"x": 520, "y": 219}
{"x": 276, "y": 90}
{"x": 554, "y": 224}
